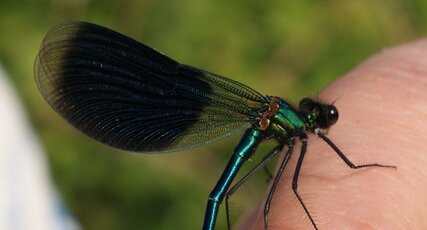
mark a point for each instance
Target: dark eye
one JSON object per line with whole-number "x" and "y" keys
{"x": 328, "y": 115}
{"x": 306, "y": 104}
{"x": 332, "y": 115}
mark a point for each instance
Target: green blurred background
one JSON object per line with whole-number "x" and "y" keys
{"x": 286, "y": 48}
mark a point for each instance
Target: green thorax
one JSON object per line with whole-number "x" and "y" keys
{"x": 285, "y": 121}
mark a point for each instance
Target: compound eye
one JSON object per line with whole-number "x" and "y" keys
{"x": 328, "y": 116}
{"x": 332, "y": 115}
{"x": 306, "y": 104}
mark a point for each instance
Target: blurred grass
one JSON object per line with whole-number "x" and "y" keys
{"x": 286, "y": 48}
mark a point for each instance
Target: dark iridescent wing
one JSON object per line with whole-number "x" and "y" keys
{"x": 129, "y": 96}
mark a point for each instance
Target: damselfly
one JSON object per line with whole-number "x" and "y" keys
{"x": 131, "y": 97}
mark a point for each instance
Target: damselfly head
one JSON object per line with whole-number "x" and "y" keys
{"x": 318, "y": 115}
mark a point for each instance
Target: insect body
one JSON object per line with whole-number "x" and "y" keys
{"x": 131, "y": 97}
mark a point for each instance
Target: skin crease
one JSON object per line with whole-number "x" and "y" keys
{"x": 383, "y": 119}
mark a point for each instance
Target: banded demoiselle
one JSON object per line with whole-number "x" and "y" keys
{"x": 131, "y": 97}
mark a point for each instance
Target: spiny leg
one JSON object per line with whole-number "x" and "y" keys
{"x": 267, "y": 158}
{"x": 296, "y": 175}
{"x": 344, "y": 158}
{"x": 340, "y": 154}
{"x": 276, "y": 181}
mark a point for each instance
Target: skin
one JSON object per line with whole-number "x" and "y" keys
{"x": 383, "y": 119}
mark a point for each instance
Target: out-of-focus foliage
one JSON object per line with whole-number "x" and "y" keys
{"x": 286, "y": 48}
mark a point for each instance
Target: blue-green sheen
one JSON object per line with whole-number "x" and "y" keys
{"x": 129, "y": 96}
{"x": 287, "y": 119}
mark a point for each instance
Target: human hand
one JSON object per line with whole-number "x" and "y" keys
{"x": 383, "y": 119}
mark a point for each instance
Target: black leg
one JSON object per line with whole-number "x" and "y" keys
{"x": 345, "y": 159}
{"x": 267, "y": 158}
{"x": 340, "y": 154}
{"x": 295, "y": 179}
{"x": 276, "y": 182}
